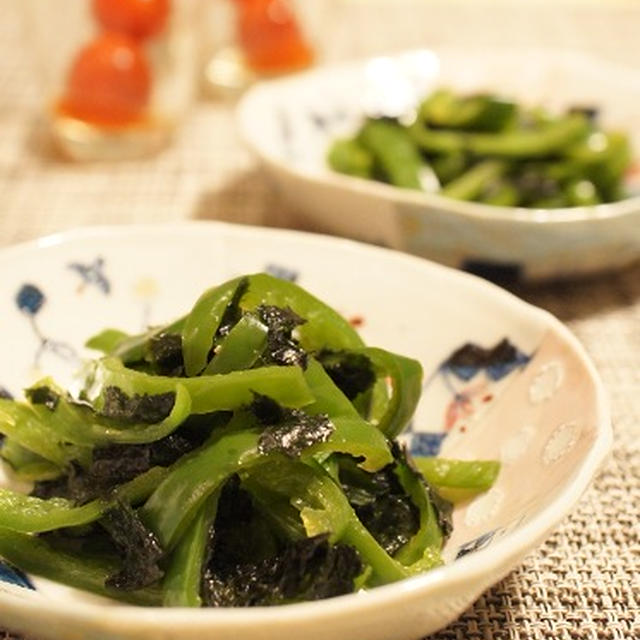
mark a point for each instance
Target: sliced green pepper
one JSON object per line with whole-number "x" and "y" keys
{"x": 241, "y": 348}
{"x": 29, "y": 514}
{"x": 324, "y": 508}
{"x": 222, "y": 392}
{"x": 404, "y": 377}
{"x": 202, "y": 323}
{"x": 70, "y": 422}
{"x": 394, "y": 152}
{"x": 535, "y": 143}
{"x": 478, "y": 475}
{"x": 19, "y": 422}
{"x": 83, "y": 571}
{"x": 350, "y": 157}
{"x": 352, "y": 434}
{"x": 174, "y": 504}
{"x": 473, "y": 182}
{"x": 183, "y": 577}
{"x": 27, "y": 465}
{"x": 324, "y": 328}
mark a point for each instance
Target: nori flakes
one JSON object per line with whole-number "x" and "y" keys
{"x": 380, "y": 503}
{"x": 165, "y": 354}
{"x": 246, "y": 568}
{"x": 116, "y": 464}
{"x": 288, "y": 431}
{"x": 138, "y": 408}
{"x": 282, "y": 349}
{"x": 139, "y": 547}
{"x": 233, "y": 312}
{"x": 352, "y": 373}
{"x": 43, "y": 395}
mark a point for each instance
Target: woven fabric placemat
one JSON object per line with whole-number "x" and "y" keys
{"x": 583, "y": 582}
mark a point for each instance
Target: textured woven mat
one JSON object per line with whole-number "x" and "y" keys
{"x": 584, "y": 581}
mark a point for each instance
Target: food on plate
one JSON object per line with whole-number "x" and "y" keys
{"x": 244, "y": 454}
{"x": 484, "y": 148}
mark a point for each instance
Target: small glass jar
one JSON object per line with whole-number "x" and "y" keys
{"x": 118, "y": 75}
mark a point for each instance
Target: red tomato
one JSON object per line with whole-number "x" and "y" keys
{"x": 109, "y": 82}
{"x": 136, "y": 18}
{"x": 270, "y": 37}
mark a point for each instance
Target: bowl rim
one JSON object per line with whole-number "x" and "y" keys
{"x": 395, "y": 195}
{"x": 509, "y": 548}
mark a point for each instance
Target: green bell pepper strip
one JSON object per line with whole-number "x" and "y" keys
{"x": 478, "y": 475}
{"x": 34, "y": 515}
{"x": 352, "y": 434}
{"x": 241, "y": 348}
{"x": 27, "y": 465}
{"x": 535, "y": 143}
{"x": 183, "y": 577}
{"x": 603, "y": 159}
{"x": 540, "y": 142}
{"x": 500, "y": 194}
{"x": 130, "y": 348}
{"x": 324, "y": 328}
{"x": 83, "y": 571}
{"x": 78, "y": 424}
{"x": 29, "y": 514}
{"x": 221, "y": 392}
{"x": 437, "y": 141}
{"x": 107, "y": 340}
{"x": 474, "y": 181}
{"x": 450, "y": 165}
{"x": 172, "y": 507}
{"x": 423, "y": 549}
{"x": 350, "y": 157}
{"x": 19, "y": 422}
{"x": 394, "y": 152}
{"x": 443, "y": 108}
{"x": 202, "y": 323}
{"x": 277, "y": 510}
{"x": 324, "y": 508}
{"x": 404, "y": 376}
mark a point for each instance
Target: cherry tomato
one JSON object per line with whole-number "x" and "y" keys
{"x": 136, "y": 18}
{"x": 109, "y": 82}
{"x": 270, "y": 37}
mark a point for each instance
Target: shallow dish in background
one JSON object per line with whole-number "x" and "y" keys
{"x": 525, "y": 393}
{"x": 290, "y": 124}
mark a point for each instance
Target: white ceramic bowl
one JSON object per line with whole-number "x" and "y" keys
{"x": 290, "y": 123}
{"x": 541, "y": 410}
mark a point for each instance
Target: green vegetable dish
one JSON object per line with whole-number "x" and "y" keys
{"x": 241, "y": 455}
{"x": 483, "y": 148}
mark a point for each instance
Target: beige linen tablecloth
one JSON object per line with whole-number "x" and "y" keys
{"x": 584, "y": 581}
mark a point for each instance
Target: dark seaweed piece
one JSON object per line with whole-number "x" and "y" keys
{"x": 282, "y": 349}
{"x": 380, "y": 503}
{"x": 288, "y": 431}
{"x": 144, "y": 408}
{"x": 140, "y": 549}
{"x": 119, "y": 463}
{"x": 43, "y": 395}
{"x": 165, "y": 354}
{"x": 233, "y": 312}
{"x": 353, "y": 373}
{"x": 239, "y": 534}
{"x": 307, "y": 569}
